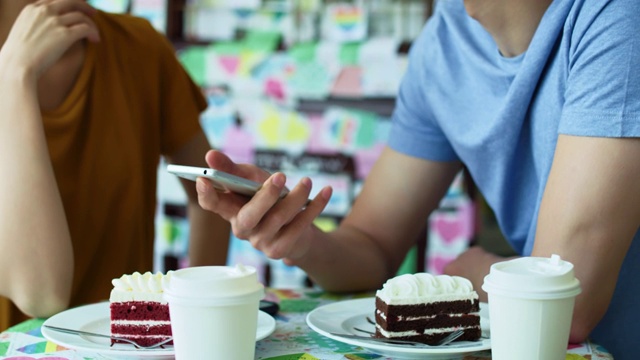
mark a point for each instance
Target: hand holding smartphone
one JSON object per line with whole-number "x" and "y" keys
{"x": 221, "y": 180}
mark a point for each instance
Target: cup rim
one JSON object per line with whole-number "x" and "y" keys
{"x": 553, "y": 293}
{"x": 215, "y": 300}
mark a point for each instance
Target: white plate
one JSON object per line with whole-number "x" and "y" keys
{"x": 96, "y": 318}
{"x": 342, "y": 317}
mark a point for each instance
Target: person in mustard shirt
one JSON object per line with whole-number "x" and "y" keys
{"x": 89, "y": 102}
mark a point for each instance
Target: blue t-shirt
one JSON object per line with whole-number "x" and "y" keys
{"x": 462, "y": 100}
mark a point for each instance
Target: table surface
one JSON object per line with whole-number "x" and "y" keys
{"x": 292, "y": 339}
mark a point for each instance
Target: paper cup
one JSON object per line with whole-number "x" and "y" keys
{"x": 531, "y": 304}
{"x": 214, "y": 312}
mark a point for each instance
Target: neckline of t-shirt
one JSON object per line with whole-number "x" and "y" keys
{"x": 510, "y": 63}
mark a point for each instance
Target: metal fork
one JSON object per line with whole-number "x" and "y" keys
{"x": 446, "y": 340}
{"x": 454, "y": 335}
{"x": 117, "y": 338}
{"x": 382, "y": 340}
{"x": 451, "y": 337}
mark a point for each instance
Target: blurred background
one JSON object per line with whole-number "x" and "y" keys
{"x": 306, "y": 87}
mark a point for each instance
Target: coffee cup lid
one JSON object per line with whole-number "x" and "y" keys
{"x": 213, "y": 282}
{"x": 533, "y": 278}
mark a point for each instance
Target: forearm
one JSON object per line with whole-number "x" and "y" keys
{"x": 474, "y": 264}
{"x": 208, "y": 237}
{"x": 371, "y": 242}
{"x": 596, "y": 264}
{"x": 345, "y": 261}
{"x": 33, "y": 228}
{"x": 383, "y": 225}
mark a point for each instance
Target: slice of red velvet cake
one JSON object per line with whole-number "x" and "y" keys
{"x": 138, "y": 310}
{"x": 426, "y": 308}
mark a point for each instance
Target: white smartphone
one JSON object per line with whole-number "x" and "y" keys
{"x": 221, "y": 180}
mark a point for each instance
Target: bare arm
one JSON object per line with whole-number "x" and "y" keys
{"x": 386, "y": 219}
{"x": 208, "y": 232}
{"x": 370, "y": 243}
{"x": 33, "y": 228}
{"x": 474, "y": 264}
{"x": 589, "y": 215}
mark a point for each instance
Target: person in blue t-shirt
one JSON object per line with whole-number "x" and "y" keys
{"x": 540, "y": 101}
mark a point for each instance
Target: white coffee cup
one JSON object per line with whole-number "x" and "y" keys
{"x": 531, "y": 302}
{"x": 214, "y": 312}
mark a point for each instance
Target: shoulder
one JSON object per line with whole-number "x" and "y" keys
{"x": 600, "y": 54}
{"x": 610, "y": 16}
{"x": 597, "y": 29}
{"x": 133, "y": 46}
{"x": 129, "y": 32}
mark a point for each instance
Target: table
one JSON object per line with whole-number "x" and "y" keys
{"x": 292, "y": 339}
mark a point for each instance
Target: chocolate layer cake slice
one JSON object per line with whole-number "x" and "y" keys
{"x": 426, "y": 308}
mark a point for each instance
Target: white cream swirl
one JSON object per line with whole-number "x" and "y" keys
{"x": 140, "y": 287}
{"x": 425, "y": 288}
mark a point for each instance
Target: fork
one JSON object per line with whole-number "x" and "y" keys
{"x": 444, "y": 341}
{"x": 116, "y": 338}
{"x": 451, "y": 337}
{"x": 381, "y": 340}
{"x": 454, "y": 335}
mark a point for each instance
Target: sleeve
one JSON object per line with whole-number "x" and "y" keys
{"x": 181, "y": 102}
{"x": 414, "y": 129}
{"x": 602, "y": 97}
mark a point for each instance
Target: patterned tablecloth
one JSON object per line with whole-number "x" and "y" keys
{"x": 292, "y": 339}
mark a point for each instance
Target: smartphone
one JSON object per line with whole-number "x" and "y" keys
{"x": 269, "y": 307}
{"x": 221, "y": 180}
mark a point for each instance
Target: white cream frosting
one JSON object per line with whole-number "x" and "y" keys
{"x": 140, "y": 287}
{"x": 417, "y": 318}
{"x": 425, "y": 288}
{"x": 146, "y": 323}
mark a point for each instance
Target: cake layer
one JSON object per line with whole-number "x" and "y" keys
{"x": 471, "y": 334}
{"x": 141, "y": 328}
{"x": 393, "y": 313}
{"x": 139, "y": 310}
{"x": 429, "y": 322}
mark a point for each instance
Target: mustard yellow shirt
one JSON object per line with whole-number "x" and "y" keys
{"x": 131, "y": 103}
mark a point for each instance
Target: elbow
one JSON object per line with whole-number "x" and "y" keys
{"x": 47, "y": 309}
{"x": 41, "y": 305}
{"x": 43, "y": 299}
{"x": 578, "y": 334}
{"x": 581, "y": 327}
